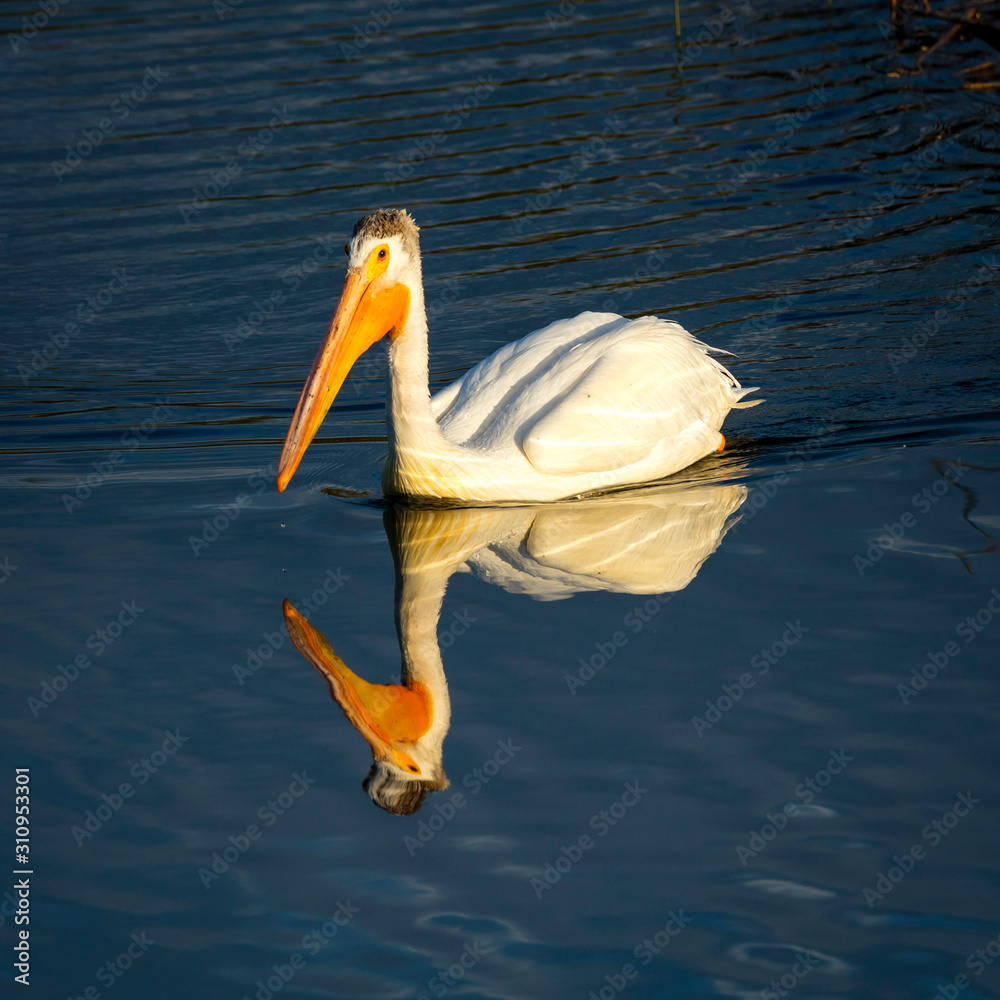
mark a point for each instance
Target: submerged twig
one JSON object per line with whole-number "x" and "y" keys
{"x": 950, "y": 35}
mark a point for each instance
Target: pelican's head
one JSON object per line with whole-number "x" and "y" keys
{"x": 383, "y": 271}
{"x": 395, "y": 719}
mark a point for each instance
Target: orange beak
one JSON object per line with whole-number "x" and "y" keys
{"x": 362, "y": 317}
{"x": 391, "y": 717}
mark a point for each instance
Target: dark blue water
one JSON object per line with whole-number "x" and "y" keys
{"x": 698, "y": 766}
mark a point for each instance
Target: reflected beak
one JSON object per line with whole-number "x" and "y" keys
{"x": 362, "y": 317}
{"x": 391, "y": 717}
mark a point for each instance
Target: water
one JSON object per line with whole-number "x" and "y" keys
{"x": 781, "y": 194}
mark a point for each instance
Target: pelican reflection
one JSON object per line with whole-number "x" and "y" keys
{"x": 652, "y": 541}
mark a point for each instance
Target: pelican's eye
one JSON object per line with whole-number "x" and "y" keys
{"x": 347, "y": 248}
{"x": 378, "y": 262}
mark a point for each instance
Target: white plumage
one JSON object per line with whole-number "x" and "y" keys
{"x": 585, "y": 404}
{"x": 588, "y": 403}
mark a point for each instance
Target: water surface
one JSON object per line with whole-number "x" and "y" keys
{"x": 783, "y": 195}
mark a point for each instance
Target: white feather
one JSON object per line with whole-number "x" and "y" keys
{"x": 584, "y": 404}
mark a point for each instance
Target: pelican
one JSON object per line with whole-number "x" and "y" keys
{"x": 582, "y": 405}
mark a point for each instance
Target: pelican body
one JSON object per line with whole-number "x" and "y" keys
{"x": 583, "y": 405}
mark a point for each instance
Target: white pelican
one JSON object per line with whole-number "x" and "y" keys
{"x": 584, "y": 404}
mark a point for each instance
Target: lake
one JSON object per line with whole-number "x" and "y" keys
{"x": 730, "y": 735}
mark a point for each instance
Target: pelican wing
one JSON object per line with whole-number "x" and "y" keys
{"x": 507, "y": 381}
{"x": 593, "y": 396}
{"x": 649, "y": 389}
